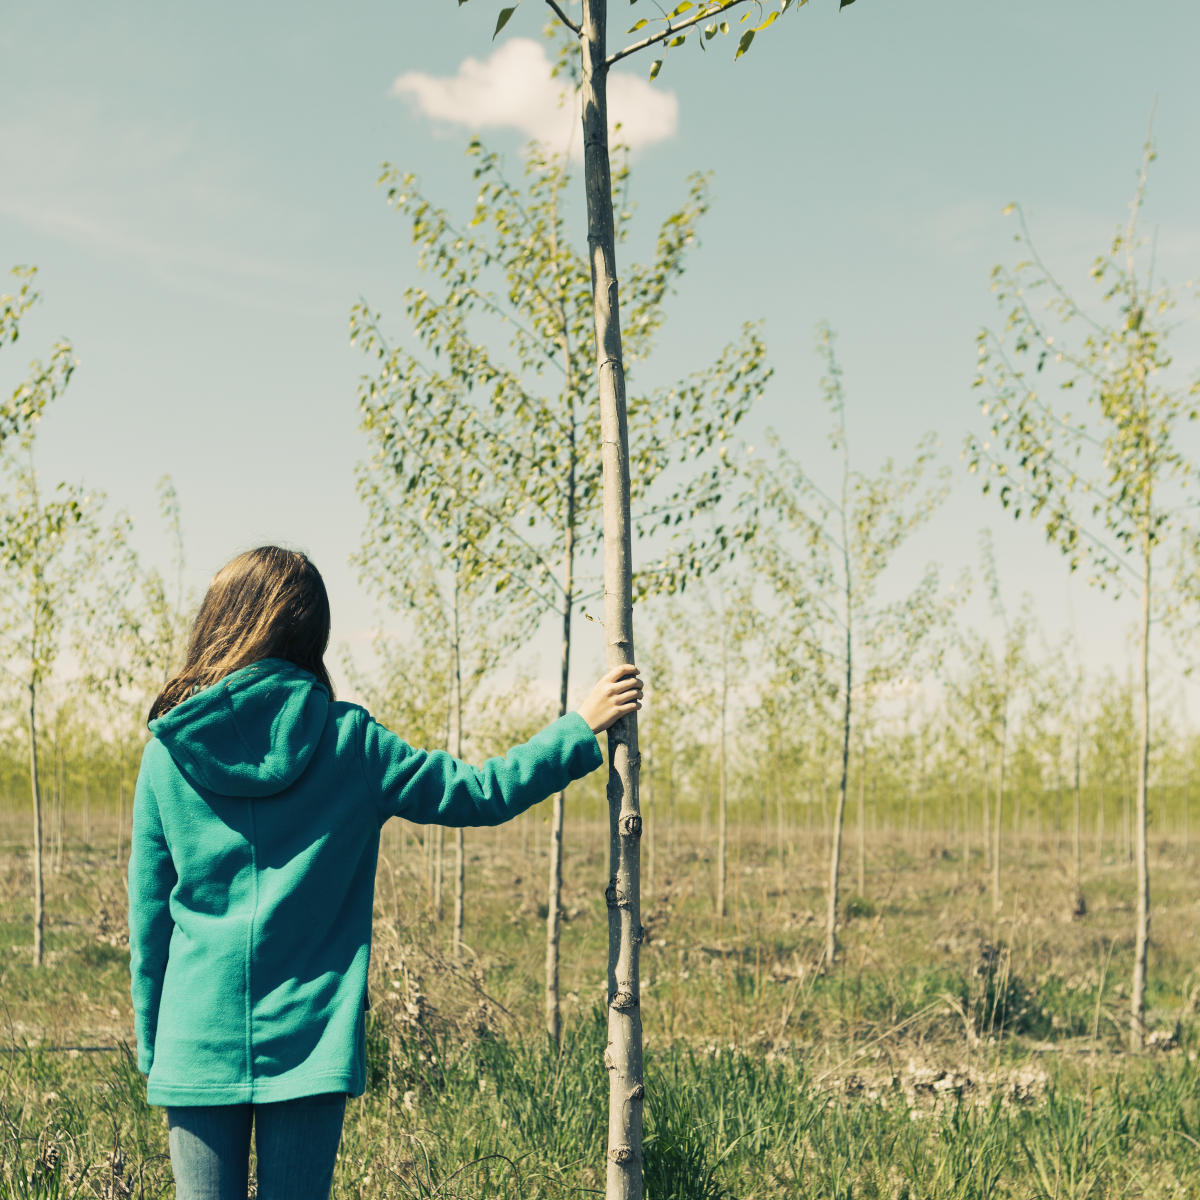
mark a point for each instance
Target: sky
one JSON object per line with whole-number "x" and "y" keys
{"x": 197, "y": 187}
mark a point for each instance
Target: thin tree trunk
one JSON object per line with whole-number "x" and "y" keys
{"x": 921, "y": 809}
{"x": 987, "y": 812}
{"x": 963, "y": 777}
{"x": 39, "y": 892}
{"x": 1078, "y": 816}
{"x": 722, "y": 793}
{"x": 439, "y": 865}
{"x": 835, "y": 853}
{"x": 651, "y": 830}
{"x": 62, "y": 809}
{"x": 1137, "y": 1000}
{"x": 120, "y": 806}
{"x": 554, "y": 883}
{"x": 460, "y": 841}
{"x": 862, "y": 824}
{"x": 554, "y": 890}
{"x": 56, "y": 819}
{"x": 996, "y": 839}
{"x": 623, "y": 1057}
{"x": 1126, "y": 824}
{"x": 780, "y": 841}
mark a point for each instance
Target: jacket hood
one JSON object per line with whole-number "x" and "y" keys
{"x": 251, "y": 734}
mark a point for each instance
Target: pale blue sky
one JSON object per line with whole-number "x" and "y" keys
{"x": 197, "y": 188}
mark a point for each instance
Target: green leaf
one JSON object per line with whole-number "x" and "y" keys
{"x": 744, "y": 44}
{"x": 655, "y": 67}
{"x": 502, "y": 19}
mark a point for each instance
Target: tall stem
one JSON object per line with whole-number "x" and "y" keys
{"x": 999, "y": 811}
{"x": 623, "y": 1056}
{"x": 1137, "y": 1027}
{"x": 460, "y": 846}
{"x": 1078, "y": 814}
{"x": 39, "y": 891}
{"x": 722, "y": 792}
{"x": 862, "y": 822}
{"x": 554, "y": 889}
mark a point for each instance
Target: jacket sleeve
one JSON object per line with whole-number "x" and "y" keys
{"x": 151, "y": 878}
{"x": 432, "y": 787}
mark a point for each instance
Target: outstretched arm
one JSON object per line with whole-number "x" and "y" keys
{"x": 434, "y": 787}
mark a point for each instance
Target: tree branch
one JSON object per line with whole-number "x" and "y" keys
{"x": 672, "y": 29}
{"x": 562, "y": 16}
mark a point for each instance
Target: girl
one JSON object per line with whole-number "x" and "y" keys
{"x": 251, "y": 873}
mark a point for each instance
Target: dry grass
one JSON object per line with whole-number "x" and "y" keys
{"x": 949, "y": 1053}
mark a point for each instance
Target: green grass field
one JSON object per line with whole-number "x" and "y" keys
{"x": 949, "y": 1054}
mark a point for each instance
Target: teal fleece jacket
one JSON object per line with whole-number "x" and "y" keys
{"x": 252, "y": 871}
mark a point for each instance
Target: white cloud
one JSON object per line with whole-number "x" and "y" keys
{"x": 513, "y": 90}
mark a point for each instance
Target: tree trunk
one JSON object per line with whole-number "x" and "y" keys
{"x": 1137, "y": 1000}
{"x": 623, "y": 1057}
{"x": 987, "y": 812}
{"x": 1126, "y": 825}
{"x": 651, "y": 831}
{"x": 963, "y": 777}
{"x": 722, "y": 793}
{"x": 554, "y": 888}
{"x": 1078, "y": 818}
{"x": 862, "y": 824}
{"x": 780, "y": 841}
{"x": 439, "y": 862}
{"x": 835, "y": 853}
{"x": 999, "y": 813}
{"x": 460, "y": 841}
{"x": 120, "y": 805}
{"x": 554, "y": 882}
{"x": 39, "y": 892}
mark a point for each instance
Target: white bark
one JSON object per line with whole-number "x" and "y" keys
{"x": 996, "y": 839}
{"x": 1137, "y": 1001}
{"x": 460, "y": 844}
{"x": 39, "y": 891}
{"x": 722, "y": 790}
{"x": 623, "y": 1057}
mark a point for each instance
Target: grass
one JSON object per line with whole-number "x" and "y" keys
{"x": 951, "y": 1054}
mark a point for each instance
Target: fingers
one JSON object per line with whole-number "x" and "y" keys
{"x": 620, "y": 670}
{"x": 624, "y": 689}
{"x": 619, "y": 690}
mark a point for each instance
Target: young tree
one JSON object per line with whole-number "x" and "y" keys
{"x": 832, "y": 622}
{"x": 41, "y": 536}
{"x": 993, "y": 691}
{"x": 139, "y": 618}
{"x": 491, "y": 440}
{"x": 702, "y": 22}
{"x": 1106, "y": 486}
{"x": 463, "y": 628}
{"x": 715, "y": 658}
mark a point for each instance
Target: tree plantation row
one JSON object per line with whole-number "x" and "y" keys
{"x": 795, "y": 685}
{"x": 929, "y": 781}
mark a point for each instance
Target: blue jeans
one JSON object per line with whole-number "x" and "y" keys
{"x": 297, "y": 1142}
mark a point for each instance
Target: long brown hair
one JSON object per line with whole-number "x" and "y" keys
{"x": 266, "y": 603}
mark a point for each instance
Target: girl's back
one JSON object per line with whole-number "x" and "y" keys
{"x": 257, "y": 823}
